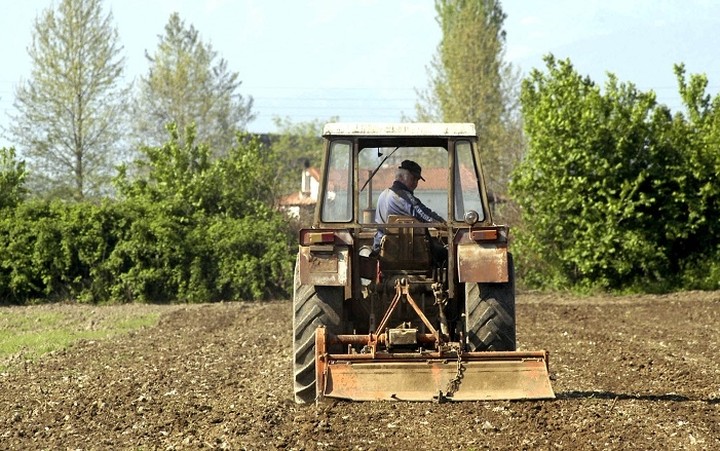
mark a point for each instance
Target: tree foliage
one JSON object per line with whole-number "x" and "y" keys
{"x": 615, "y": 192}
{"x": 696, "y": 199}
{"x": 12, "y": 179}
{"x": 187, "y": 85}
{"x": 210, "y": 221}
{"x": 295, "y": 146}
{"x": 470, "y": 82}
{"x": 56, "y": 250}
{"x": 70, "y": 112}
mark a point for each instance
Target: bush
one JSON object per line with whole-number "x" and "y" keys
{"x": 615, "y": 192}
{"x": 189, "y": 229}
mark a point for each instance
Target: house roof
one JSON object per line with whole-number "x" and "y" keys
{"x": 314, "y": 173}
{"x": 297, "y": 199}
{"x": 435, "y": 178}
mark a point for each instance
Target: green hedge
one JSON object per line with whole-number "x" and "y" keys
{"x": 188, "y": 228}
{"x": 125, "y": 252}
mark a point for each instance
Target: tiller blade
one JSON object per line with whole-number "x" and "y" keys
{"x": 447, "y": 374}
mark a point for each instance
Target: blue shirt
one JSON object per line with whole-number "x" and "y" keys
{"x": 399, "y": 200}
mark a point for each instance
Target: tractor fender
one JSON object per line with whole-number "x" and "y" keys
{"x": 324, "y": 265}
{"x": 482, "y": 263}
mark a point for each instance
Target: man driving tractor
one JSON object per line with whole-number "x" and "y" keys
{"x": 400, "y": 200}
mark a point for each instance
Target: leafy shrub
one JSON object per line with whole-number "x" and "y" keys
{"x": 614, "y": 192}
{"x": 187, "y": 229}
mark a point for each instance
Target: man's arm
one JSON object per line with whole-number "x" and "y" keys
{"x": 422, "y": 212}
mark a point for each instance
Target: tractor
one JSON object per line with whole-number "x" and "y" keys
{"x": 398, "y": 322}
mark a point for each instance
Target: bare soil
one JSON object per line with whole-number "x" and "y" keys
{"x": 639, "y": 372}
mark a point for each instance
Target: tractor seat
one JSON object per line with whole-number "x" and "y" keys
{"x": 404, "y": 248}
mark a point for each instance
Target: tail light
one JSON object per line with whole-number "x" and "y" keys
{"x": 317, "y": 237}
{"x": 484, "y": 235}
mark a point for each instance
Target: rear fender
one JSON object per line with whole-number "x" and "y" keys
{"x": 325, "y": 265}
{"x": 482, "y": 256}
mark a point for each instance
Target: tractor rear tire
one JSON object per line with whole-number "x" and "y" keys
{"x": 490, "y": 314}
{"x": 314, "y": 306}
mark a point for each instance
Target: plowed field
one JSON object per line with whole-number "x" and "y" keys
{"x": 639, "y": 372}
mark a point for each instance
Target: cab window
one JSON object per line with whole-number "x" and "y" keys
{"x": 337, "y": 201}
{"x": 467, "y": 184}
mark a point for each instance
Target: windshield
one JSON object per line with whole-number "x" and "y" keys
{"x": 377, "y": 168}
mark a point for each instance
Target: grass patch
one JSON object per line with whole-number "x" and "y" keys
{"x": 28, "y": 332}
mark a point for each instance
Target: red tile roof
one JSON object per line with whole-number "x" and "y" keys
{"x": 297, "y": 199}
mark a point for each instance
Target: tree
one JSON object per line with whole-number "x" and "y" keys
{"x": 470, "y": 82}
{"x": 694, "y": 198}
{"x": 582, "y": 184}
{"x": 187, "y": 85}
{"x": 70, "y": 112}
{"x": 12, "y": 179}
{"x": 296, "y": 145}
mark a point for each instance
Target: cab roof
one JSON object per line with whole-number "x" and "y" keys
{"x": 399, "y": 129}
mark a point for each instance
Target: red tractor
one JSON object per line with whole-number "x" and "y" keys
{"x": 396, "y": 322}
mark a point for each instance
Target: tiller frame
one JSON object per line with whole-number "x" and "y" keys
{"x": 437, "y": 369}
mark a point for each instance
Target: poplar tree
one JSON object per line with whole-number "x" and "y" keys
{"x": 69, "y": 113}
{"x": 186, "y": 84}
{"x": 470, "y": 82}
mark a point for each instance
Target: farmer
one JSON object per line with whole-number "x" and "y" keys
{"x": 400, "y": 200}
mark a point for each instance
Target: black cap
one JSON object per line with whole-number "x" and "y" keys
{"x": 413, "y": 167}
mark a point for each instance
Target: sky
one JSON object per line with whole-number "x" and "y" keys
{"x": 365, "y": 60}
